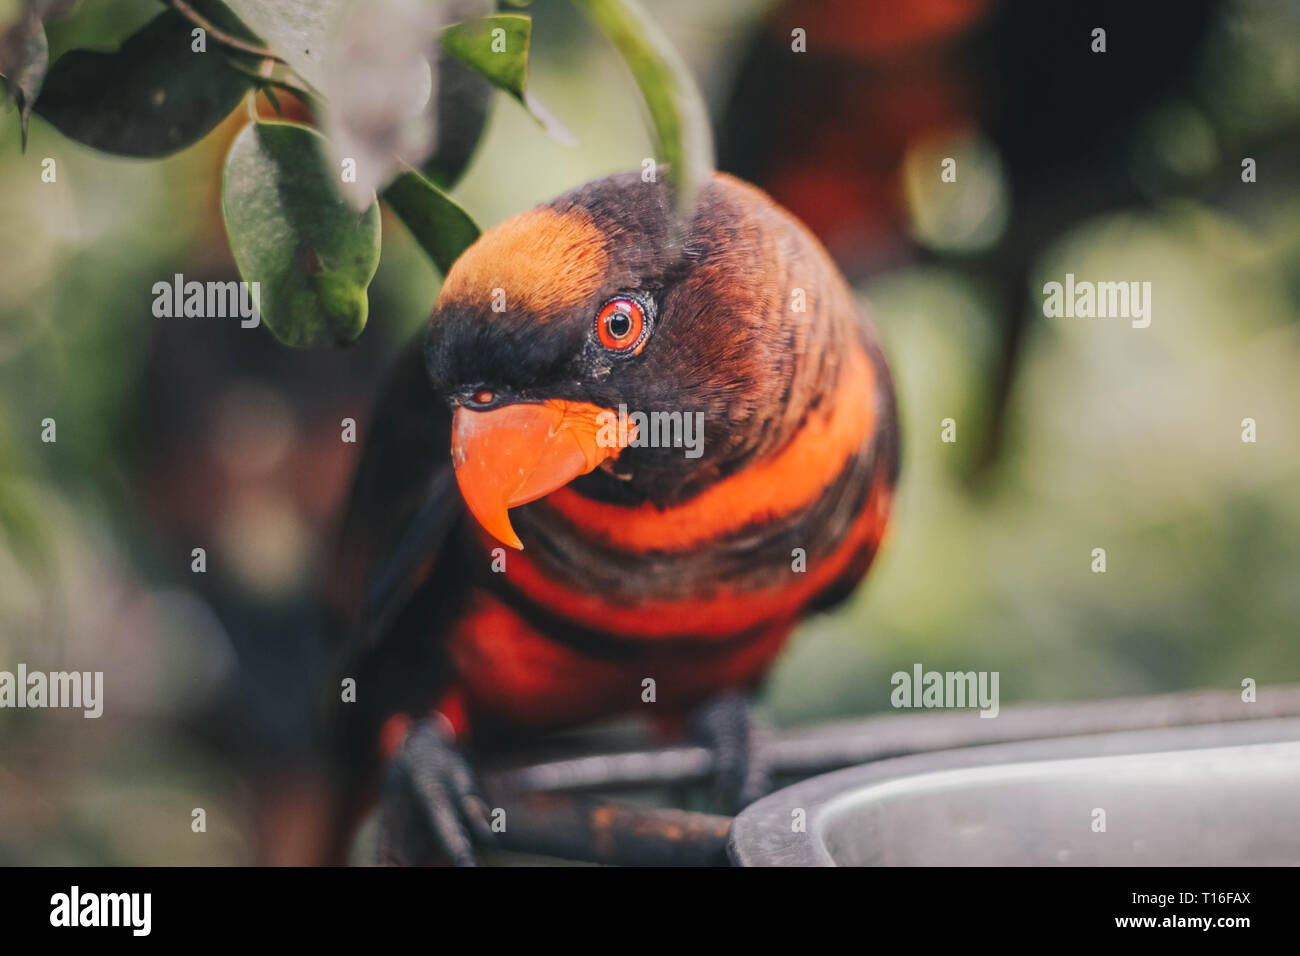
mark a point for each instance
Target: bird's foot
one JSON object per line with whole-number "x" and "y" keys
{"x": 736, "y": 736}
{"x": 430, "y": 810}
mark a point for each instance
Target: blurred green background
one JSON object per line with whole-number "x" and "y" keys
{"x": 180, "y": 433}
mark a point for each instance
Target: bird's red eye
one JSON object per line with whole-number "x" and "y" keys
{"x": 620, "y": 324}
{"x": 483, "y": 396}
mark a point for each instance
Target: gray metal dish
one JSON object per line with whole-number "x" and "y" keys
{"x": 1213, "y": 795}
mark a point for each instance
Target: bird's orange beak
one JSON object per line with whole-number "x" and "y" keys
{"x": 515, "y": 454}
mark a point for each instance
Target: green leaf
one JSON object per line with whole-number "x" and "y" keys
{"x": 276, "y": 76}
{"x": 441, "y": 227}
{"x": 461, "y": 111}
{"x": 464, "y": 97}
{"x": 290, "y": 231}
{"x": 501, "y": 57}
{"x": 24, "y": 58}
{"x": 497, "y": 47}
{"x": 152, "y": 97}
{"x": 681, "y": 120}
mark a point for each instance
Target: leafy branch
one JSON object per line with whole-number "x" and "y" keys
{"x": 683, "y": 136}
{"x": 220, "y": 35}
{"x": 395, "y": 94}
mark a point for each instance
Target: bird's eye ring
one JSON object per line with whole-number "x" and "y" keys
{"x": 621, "y": 325}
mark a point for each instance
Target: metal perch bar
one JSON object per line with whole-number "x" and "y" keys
{"x": 825, "y": 747}
{"x": 548, "y": 816}
{"x": 574, "y": 827}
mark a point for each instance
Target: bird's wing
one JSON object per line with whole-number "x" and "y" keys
{"x": 388, "y": 581}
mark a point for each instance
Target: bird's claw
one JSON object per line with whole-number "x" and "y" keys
{"x": 430, "y": 808}
{"x": 731, "y": 730}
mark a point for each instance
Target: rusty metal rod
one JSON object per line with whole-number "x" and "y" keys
{"x": 574, "y": 827}
{"x": 830, "y": 746}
